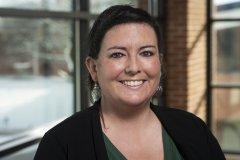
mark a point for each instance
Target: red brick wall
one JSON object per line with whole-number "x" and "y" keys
{"x": 186, "y": 55}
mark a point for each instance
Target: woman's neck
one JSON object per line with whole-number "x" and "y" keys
{"x": 124, "y": 116}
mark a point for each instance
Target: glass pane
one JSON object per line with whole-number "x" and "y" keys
{"x": 226, "y": 52}
{"x": 36, "y": 83}
{"x": 226, "y": 117}
{"x": 56, "y": 5}
{"x": 97, "y": 6}
{"x": 226, "y": 8}
{"x": 24, "y": 154}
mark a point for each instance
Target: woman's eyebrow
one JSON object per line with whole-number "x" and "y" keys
{"x": 117, "y": 47}
{"x": 124, "y": 48}
{"x": 148, "y": 46}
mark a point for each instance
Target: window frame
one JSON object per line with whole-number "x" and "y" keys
{"x": 211, "y": 20}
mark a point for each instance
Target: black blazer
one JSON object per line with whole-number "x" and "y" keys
{"x": 79, "y": 137}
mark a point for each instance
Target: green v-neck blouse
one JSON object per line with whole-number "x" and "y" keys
{"x": 170, "y": 150}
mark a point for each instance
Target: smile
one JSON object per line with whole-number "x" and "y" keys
{"x": 132, "y": 83}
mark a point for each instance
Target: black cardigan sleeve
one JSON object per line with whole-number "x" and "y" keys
{"x": 50, "y": 149}
{"x": 214, "y": 147}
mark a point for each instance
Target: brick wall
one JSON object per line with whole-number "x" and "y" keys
{"x": 185, "y": 35}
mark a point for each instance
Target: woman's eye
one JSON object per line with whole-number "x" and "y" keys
{"x": 146, "y": 53}
{"x": 116, "y": 55}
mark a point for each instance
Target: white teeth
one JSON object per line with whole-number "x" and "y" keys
{"x": 132, "y": 83}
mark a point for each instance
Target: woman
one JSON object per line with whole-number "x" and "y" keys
{"x": 125, "y": 63}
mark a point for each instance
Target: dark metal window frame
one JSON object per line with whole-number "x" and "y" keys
{"x": 210, "y": 86}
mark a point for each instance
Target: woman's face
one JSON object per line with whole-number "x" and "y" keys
{"x": 128, "y": 66}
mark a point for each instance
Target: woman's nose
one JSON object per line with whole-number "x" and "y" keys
{"x": 133, "y": 67}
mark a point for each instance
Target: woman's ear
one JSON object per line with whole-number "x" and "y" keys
{"x": 91, "y": 66}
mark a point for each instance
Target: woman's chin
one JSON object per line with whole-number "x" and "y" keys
{"x": 134, "y": 102}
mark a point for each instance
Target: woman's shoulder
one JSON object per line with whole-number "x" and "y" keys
{"x": 178, "y": 118}
{"x": 170, "y": 112}
{"x": 72, "y": 136}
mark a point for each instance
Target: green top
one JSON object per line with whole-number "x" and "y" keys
{"x": 170, "y": 150}
{"x": 112, "y": 151}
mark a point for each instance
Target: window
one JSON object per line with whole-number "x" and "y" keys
{"x": 37, "y": 59}
{"x": 36, "y": 83}
{"x": 225, "y": 73}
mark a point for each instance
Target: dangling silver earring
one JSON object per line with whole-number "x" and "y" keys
{"x": 96, "y": 92}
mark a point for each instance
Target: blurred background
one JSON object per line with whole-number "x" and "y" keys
{"x": 43, "y": 79}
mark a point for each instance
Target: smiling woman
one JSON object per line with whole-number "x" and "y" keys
{"x": 125, "y": 63}
{"x": 127, "y": 69}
